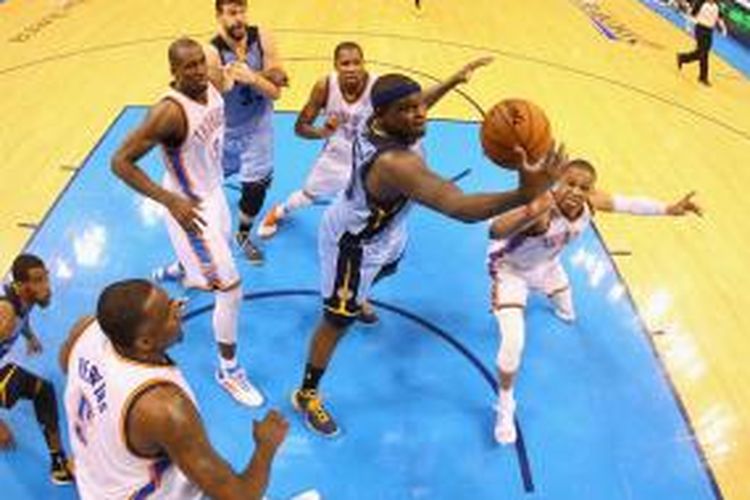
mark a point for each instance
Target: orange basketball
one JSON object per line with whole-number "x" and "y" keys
{"x": 511, "y": 123}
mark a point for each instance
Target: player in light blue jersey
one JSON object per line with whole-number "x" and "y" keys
{"x": 363, "y": 234}
{"x": 244, "y": 61}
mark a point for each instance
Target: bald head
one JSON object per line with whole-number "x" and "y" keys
{"x": 122, "y": 309}
{"x": 181, "y": 49}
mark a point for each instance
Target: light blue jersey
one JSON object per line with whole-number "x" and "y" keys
{"x": 360, "y": 238}
{"x": 248, "y": 139}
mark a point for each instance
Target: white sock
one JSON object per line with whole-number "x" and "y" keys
{"x": 506, "y": 396}
{"x": 563, "y": 302}
{"x": 226, "y": 313}
{"x": 227, "y": 364}
{"x": 298, "y": 199}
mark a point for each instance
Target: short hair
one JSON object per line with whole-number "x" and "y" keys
{"x": 177, "y": 46}
{"x": 583, "y": 165}
{"x": 120, "y": 310}
{"x": 23, "y": 265}
{"x": 219, "y": 4}
{"x": 385, "y": 90}
{"x": 347, "y": 46}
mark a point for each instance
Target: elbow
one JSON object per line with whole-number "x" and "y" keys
{"x": 117, "y": 165}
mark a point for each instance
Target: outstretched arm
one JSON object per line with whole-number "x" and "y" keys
{"x": 606, "y": 202}
{"x": 166, "y": 419}
{"x": 407, "y": 173}
{"x": 431, "y": 96}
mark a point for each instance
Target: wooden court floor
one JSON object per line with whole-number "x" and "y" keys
{"x": 68, "y": 67}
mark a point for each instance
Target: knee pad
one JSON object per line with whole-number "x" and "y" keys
{"x": 226, "y": 315}
{"x": 253, "y": 196}
{"x": 511, "y": 324}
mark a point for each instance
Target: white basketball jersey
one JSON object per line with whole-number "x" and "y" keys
{"x": 194, "y": 169}
{"x": 351, "y": 115}
{"x": 525, "y": 251}
{"x": 100, "y": 387}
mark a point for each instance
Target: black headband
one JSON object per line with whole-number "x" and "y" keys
{"x": 394, "y": 94}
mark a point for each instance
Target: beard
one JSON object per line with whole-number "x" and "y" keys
{"x": 236, "y": 32}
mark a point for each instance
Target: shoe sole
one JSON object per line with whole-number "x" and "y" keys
{"x": 57, "y": 482}
{"x": 309, "y": 426}
{"x": 267, "y": 235}
{"x": 243, "y": 403}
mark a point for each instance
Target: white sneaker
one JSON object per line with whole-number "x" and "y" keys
{"x": 270, "y": 223}
{"x": 239, "y": 387}
{"x": 505, "y": 427}
{"x": 566, "y": 316}
{"x": 172, "y": 272}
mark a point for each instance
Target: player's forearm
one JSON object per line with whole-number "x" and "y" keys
{"x": 139, "y": 181}
{"x": 307, "y": 130}
{"x": 432, "y": 96}
{"x": 512, "y": 222}
{"x": 257, "y": 473}
{"x": 261, "y": 84}
{"x": 482, "y": 206}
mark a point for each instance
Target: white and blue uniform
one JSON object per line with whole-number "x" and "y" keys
{"x": 194, "y": 171}
{"x": 360, "y": 238}
{"x": 330, "y": 173}
{"x": 531, "y": 261}
{"x": 100, "y": 391}
{"x": 248, "y": 139}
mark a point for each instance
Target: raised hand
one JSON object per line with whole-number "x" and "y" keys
{"x": 270, "y": 431}
{"x": 685, "y": 206}
{"x": 465, "y": 73}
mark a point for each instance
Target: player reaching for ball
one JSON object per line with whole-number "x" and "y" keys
{"x": 363, "y": 233}
{"x": 524, "y": 255}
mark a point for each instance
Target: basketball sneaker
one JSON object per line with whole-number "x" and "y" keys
{"x": 270, "y": 223}
{"x": 566, "y": 316}
{"x": 317, "y": 418}
{"x": 505, "y": 427}
{"x": 61, "y": 470}
{"x": 252, "y": 252}
{"x": 172, "y": 272}
{"x": 235, "y": 382}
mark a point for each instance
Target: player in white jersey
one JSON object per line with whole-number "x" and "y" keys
{"x": 133, "y": 421}
{"x": 523, "y": 256}
{"x": 343, "y": 98}
{"x": 188, "y": 124}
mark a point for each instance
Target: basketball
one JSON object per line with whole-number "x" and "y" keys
{"x": 511, "y": 123}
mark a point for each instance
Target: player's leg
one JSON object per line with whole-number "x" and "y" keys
{"x": 342, "y": 286}
{"x": 209, "y": 265}
{"x": 256, "y": 173}
{"x": 509, "y": 294}
{"x": 251, "y": 201}
{"x": 17, "y": 383}
{"x": 327, "y": 177}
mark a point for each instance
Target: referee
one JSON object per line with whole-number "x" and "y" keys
{"x": 706, "y": 16}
